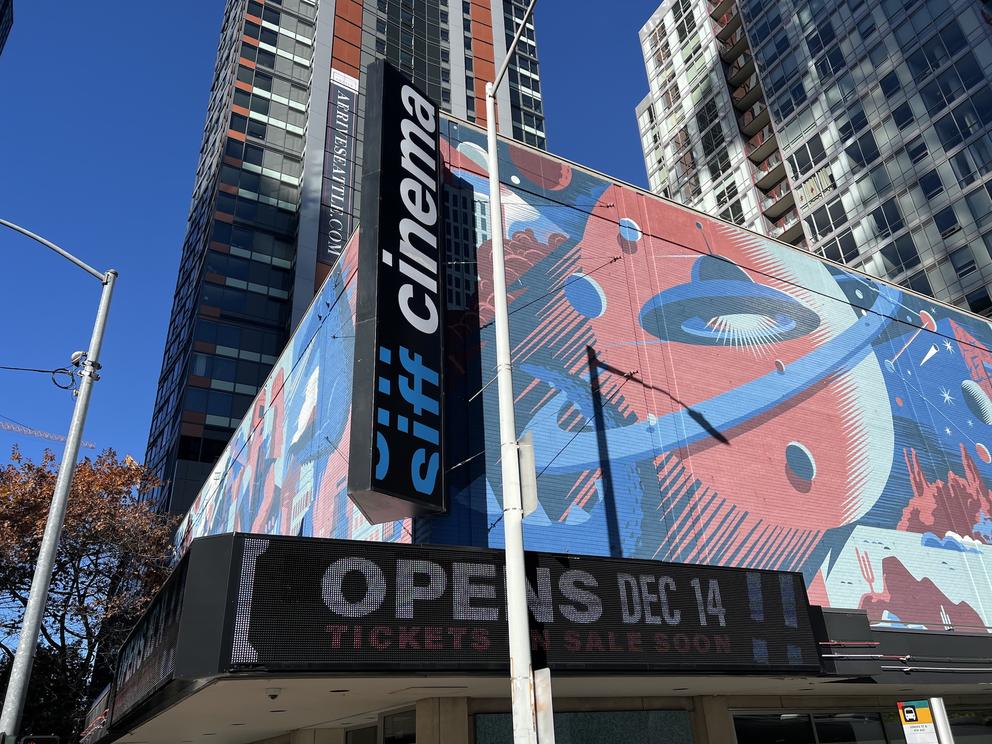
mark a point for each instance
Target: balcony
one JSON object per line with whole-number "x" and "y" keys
{"x": 720, "y": 7}
{"x": 787, "y": 228}
{"x": 726, "y": 25}
{"x": 769, "y": 172}
{"x": 734, "y": 46}
{"x": 754, "y": 119}
{"x": 761, "y": 145}
{"x": 747, "y": 93}
{"x": 740, "y": 70}
{"x": 778, "y": 201}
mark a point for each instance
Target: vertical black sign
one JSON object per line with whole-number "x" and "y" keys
{"x": 337, "y": 191}
{"x": 396, "y": 466}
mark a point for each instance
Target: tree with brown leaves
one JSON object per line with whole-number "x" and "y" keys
{"x": 113, "y": 555}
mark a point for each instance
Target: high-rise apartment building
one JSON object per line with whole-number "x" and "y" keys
{"x": 276, "y": 193}
{"x": 860, "y": 130}
{"x": 6, "y": 20}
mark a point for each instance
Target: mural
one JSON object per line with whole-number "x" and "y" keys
{"x": 696, "y": 393}
{"x": 285, "y": 469}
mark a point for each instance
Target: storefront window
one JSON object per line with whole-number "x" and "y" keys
{"x": 400, "y": 728}
{"x": 781, "y": 728}
{"x": 621, "y": 727}
{"x": 368, "y": 735}
{"x": 849, "y": 728}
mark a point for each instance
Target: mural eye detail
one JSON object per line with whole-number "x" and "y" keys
{"x": 585, "y": 295}
{"x": 800, "y": 462}
{"x": 630, "y": 230}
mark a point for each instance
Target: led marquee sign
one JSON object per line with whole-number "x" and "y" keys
{"x": 396, "y": 467}
{"x": 309, "y": 604}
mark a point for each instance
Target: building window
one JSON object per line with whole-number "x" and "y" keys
{"x": 979, "y": 300}
{"x": 890, "y": 84}
{"x": 931, "y": 185}
{"x": 918, "y": 282}
{"x": 900, "y": 255}
{"x": 902, "y": 115}
{"x": 947, "y": 222}
{"x": 963, "y": 261}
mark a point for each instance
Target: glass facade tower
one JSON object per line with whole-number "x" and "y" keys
{"x": 6, "y": 20}
{"x": 276, "y": 192}
{"x": 881, "y": 117}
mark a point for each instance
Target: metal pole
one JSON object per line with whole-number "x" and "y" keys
{"x": 940, "y": 721}
{"x": 521, "y": 672}
{"x": 20, "y": 673}
{"x": 521, "y": 679}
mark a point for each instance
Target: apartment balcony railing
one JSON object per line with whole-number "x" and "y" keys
{"x": 778, "y": 201}
{"x": 734, "y": 46}
{"x": 727, "y": 24}
{"x": 747, "y": 93}
{"x": 719, "y": 8}
{"x": 741, "y": 69}
{"x": 761, "y": 145}
{"x": 754, "y": 119}
{"x": 787, "y": 228}
{"x": 769, "y": 172}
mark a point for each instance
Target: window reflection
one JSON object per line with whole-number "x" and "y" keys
{"x": 775, "y": 728}
{"x": 850, "y": 728}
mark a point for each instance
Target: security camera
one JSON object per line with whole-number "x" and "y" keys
{"x": 77, "y": 358}
{"x": 273, "y": 692}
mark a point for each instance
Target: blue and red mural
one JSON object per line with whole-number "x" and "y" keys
{"x": 696, "y": 393}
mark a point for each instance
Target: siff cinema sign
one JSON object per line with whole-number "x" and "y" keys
{"x": 338, "y": 605}
{"x": 396, "y": 465}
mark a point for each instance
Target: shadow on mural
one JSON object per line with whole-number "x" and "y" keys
{"x": 696, "y": 393}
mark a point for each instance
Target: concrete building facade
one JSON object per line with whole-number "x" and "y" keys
{"x": 875, "y": 130}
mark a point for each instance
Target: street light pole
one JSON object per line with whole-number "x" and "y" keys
{"x": 521, "y": 673}
{"x": 20, "y": 673}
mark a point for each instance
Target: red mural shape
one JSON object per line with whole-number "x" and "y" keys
{"x": 975, "y": 357}
{"x": 947, "y": 505}
{"x": 914, "y": 601}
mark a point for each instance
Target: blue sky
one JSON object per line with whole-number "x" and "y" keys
{"x": 100, "y": 126}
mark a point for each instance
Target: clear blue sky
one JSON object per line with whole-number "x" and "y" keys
{"x": 100, "y": 124}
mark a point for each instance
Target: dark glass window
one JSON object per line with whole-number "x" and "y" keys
{"x": 963, "y": 261}
{"x": 952, "y": 37}
{"x": 947, "y": 222}
{"x": 917, "y": 149}
{"x": 847, "y": 245}
{"x": 900, "y": 255}
{"x": 918, "y": 282}
{"x": 890, "y": 84}
{"x": 774, "y": 727}
{"x": 902, "y": 115}
{"x": 978, "y": 300}
{"x": 849, "y": 728}
{"x": 930, "y": 184}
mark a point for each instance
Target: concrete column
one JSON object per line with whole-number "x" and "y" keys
{"x": 712, "y": 722}
{"x": 442, "y": 721}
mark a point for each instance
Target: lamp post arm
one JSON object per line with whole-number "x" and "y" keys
{"x": 62, "y": 252}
